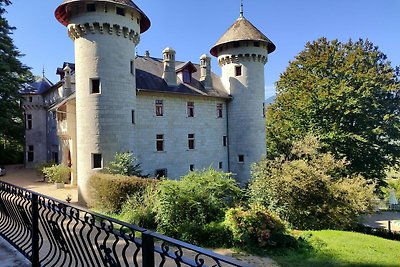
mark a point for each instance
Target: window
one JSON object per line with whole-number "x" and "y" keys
{"x": 30, "y": 99}
{"x": 220, "y": 165}
{"x": 224, "y": 140}
{"x": 160, "y": 173}
{"x": 187, "y": 77}
{"x": 190, "y": 141}
{"x": 95, "y": 86}
{"x": 160, "y": 142}
{"x": 132, "y": 67}
{"x": 191, "y": 167}
{"x": 133, "y": 116}
{"x": 190, "y": 109}
{"x": 91, "y": 7}
{"x": 28, "y": 121}
{"x": 31, "y": 156}
{"x": 97, "y": 161}
{"x": 219, "y": 110}
{"x": 159, "y": 108}
{"x": 238, "y": 70}
{"x": 120, "y": 11}
{"x": 263, "y": 109}
{"x": 241, "y": 158}
{"x": 54, "y": 115}
{"x": 54, "y": 157}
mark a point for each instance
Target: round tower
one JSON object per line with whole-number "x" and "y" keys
{"x": 242, "y": 53}
{"x": 105, "y": 34}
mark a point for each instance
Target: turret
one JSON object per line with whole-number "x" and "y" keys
{"x": 105, "y": 35}
{"x": 205, "y": 71}
{"x": 169, "y": 73}
{"x": 242, "y": 53}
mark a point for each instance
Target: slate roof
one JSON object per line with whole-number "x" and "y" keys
{"x": 39, "y": 86}
{"x": 242, "y": 30}
{"x": 62, "y": 15}
{"x": 149, "y": 72}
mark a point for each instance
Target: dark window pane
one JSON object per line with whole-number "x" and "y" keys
{"x": 97, "y": 161}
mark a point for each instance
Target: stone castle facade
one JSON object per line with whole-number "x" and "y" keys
{"x": 174, "y": 116}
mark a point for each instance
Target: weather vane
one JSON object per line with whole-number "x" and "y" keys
{"x": 241, "y": 8}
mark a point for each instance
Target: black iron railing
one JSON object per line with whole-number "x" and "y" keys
{"x": 50, "y": 232}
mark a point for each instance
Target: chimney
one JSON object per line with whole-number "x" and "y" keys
{"x": 205, "y": 71}
{"x": 147, "y": 54}
{"x": 67, "y": 81}
{"x": 169, "y": 73}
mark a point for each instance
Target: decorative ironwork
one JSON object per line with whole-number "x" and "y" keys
{"x": 51, "y": 232}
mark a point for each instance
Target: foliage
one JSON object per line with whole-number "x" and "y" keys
{"x": 309, "y": 189}
{"x": 13, "y": 76}
{"x": 392, "y": 184}
{"x": 199, "y": 198}
{"x": 124, "y": 164}
{"x": 110, "y": 191}
{"x": 254, "y": 227}
{"x": 138, "y": 208}
{"x": 41, "y": 166}
{"x": 338, "y": 248}
{"x": 347, "y": 94}
{"x": 56, "y": 173}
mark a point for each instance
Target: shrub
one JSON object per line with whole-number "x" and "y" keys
{"x": 201, "y": 197}
{"x": 124, "y": 164}
{"x": 310, "y": 189}
{"x": 138, "y": 208}
{"x": 57, "y": 173}
{"x": 255, "y": 227}
{"x": 43, "y": 165}
{"x": 108, "y": 192}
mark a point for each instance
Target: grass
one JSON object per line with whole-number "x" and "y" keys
{"x": 330, "y": 248}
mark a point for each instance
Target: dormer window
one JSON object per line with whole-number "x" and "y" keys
{"x": 187, "y": 77}
{"x": 184, "y": 72}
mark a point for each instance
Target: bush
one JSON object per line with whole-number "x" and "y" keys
{"x": 124, "y": 164}
{"x": 108, "y": 192}
{"x": 201, "y": 197}
{"x": 41, "y": 166}
{"x": 255, "y": 227}
{"x": 138, "y": 209}
{"x": 309, "y": 190}
{"x": 56, "y": 173}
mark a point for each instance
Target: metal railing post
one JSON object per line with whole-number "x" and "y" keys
{"x": 147, "y": 249}
{"x": 35, "y": 231}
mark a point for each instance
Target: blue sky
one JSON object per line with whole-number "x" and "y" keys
{"x": 192, "y": 28}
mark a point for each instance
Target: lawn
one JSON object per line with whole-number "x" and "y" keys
{"x": 339, "y": 248}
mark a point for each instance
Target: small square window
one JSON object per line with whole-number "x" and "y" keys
{"x": 238, "y": 70}
{"x": 159, "y": 108}
{"x": 241, "y": 158}
{"x": 160, "y": 142}
{"x": 190, "y": 109}
{"x": 30, "y": 99}
{"x": 224, "y": 140}
{"x": 159, "y": 173}
{"x": 95, "y": 86}
{"x": 97, "y": 161}
{"x": 219, "y": 110}
{"x": 191, "y": 167}
{"x": 220, "y": 165}
{"x": 91, "y": 7}
{"x": 120, "y": 11}
{"x": 190, "y": 141}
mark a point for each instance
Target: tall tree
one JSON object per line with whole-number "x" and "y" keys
{"x": 13, "y": 76}
{"x": 348, "y": 94}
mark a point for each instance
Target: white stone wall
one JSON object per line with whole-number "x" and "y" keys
{"x": 103, "y": 120}
{"x": 175, "y": 125}
{"x": 245, "y": 112}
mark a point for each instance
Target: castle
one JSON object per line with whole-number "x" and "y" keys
{"x": 174, "y": 116}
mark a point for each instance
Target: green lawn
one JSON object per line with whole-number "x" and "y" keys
{"x": 339, "y": 248}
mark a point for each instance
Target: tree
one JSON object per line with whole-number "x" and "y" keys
{"x": 13, "y": 76}
{"x": 125, "y": 164}
{"x": 309, "y": 188}
{"x": 348, "y": 94}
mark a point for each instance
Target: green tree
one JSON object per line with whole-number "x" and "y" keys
{"x": 309, "y": 189}
{"x": 348, "y": 94}
{"x": 13, "y": 76}
{"x": 125, "y": 164}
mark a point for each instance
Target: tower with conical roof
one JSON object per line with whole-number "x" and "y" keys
{"x": 105, "y": 34}
{"x": 242, "y": 53}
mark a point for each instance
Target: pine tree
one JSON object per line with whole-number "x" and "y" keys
{"x": 13, "y": 76}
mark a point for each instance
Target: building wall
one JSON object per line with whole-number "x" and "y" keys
{"x": 175, "y": 125}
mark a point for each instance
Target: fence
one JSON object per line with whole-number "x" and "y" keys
{"x": 50, "y": 232}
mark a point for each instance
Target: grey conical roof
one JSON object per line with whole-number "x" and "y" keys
{"x": 62, "y": 15}
{"x": 242, "y": 30}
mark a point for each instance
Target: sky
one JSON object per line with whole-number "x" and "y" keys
{"x": 193, "y": 27}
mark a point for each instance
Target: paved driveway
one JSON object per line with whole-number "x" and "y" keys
{"x": 381, "y": 219}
